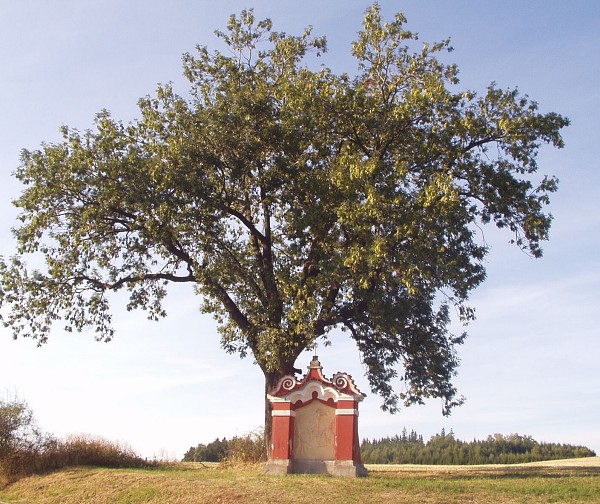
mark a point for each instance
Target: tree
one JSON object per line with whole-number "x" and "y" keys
{"x": 296, "y": 201}
{"x": 18, "y": 429}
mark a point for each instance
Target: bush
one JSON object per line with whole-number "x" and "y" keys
{"x": 250, "y": 448}
{"x": 96, "y": 451}
{"x": 18, "y": 429}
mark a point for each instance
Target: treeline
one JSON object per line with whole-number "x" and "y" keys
{"x": 445, "y": 449}
{"x": 408, "y": 448}
{"x": 215, "y": 451}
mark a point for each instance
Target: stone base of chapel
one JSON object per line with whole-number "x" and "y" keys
{"x": 277, "y": 467}
{"x": 346, "y": 468}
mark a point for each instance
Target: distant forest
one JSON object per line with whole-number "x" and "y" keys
{"x": 445, "y": 449}
{"x": 409, "y": 448}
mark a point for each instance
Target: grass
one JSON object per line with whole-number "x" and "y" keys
{"x": 565, "y": 481}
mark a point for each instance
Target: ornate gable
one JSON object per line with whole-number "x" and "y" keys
{"x": 313, "y": 385}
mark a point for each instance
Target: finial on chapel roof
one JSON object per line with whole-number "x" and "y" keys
{"x": 314, "y": 363}
{"x": 315, "y": 370}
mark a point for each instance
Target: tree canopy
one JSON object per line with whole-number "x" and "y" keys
{"x": 295, "y": 200}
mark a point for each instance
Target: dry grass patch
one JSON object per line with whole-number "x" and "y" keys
{"x": 74, "y": 451}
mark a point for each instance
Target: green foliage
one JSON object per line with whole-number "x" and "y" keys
{"x": 249, "y": 448}
{"x": 296, "y": 200}
{"x": 211, "y": 452}
{"x": 18, "y": 429}
{"x": 445, "y": 449}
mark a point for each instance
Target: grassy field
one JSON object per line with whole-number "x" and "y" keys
{"x": 563, "y": 481}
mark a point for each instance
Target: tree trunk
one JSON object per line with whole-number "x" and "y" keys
{"x": 271, "y": 380}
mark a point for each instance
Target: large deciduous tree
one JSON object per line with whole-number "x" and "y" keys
{"x": 296, "y": 200}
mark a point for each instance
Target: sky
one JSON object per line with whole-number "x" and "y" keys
{"x": 531, "y": 363}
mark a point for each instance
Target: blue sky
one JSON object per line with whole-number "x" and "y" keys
{"x": 531, "y": 364}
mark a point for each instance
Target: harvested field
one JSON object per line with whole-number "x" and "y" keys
{"x": 564, "y": 466}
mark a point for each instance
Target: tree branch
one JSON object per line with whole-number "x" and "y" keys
{"x": 482, "y": 141}
{"x": 247, "y": 223}
{"x": 132, "y": 279}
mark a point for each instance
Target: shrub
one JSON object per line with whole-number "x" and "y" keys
{"x": 18, "y": 429}
{"x": 74, "y": 451}
{"x": 25, "y": 450}
{"x": 97, "y": 451}
{"x": 22, "y": 444}
{"x": 250, "y": 448}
